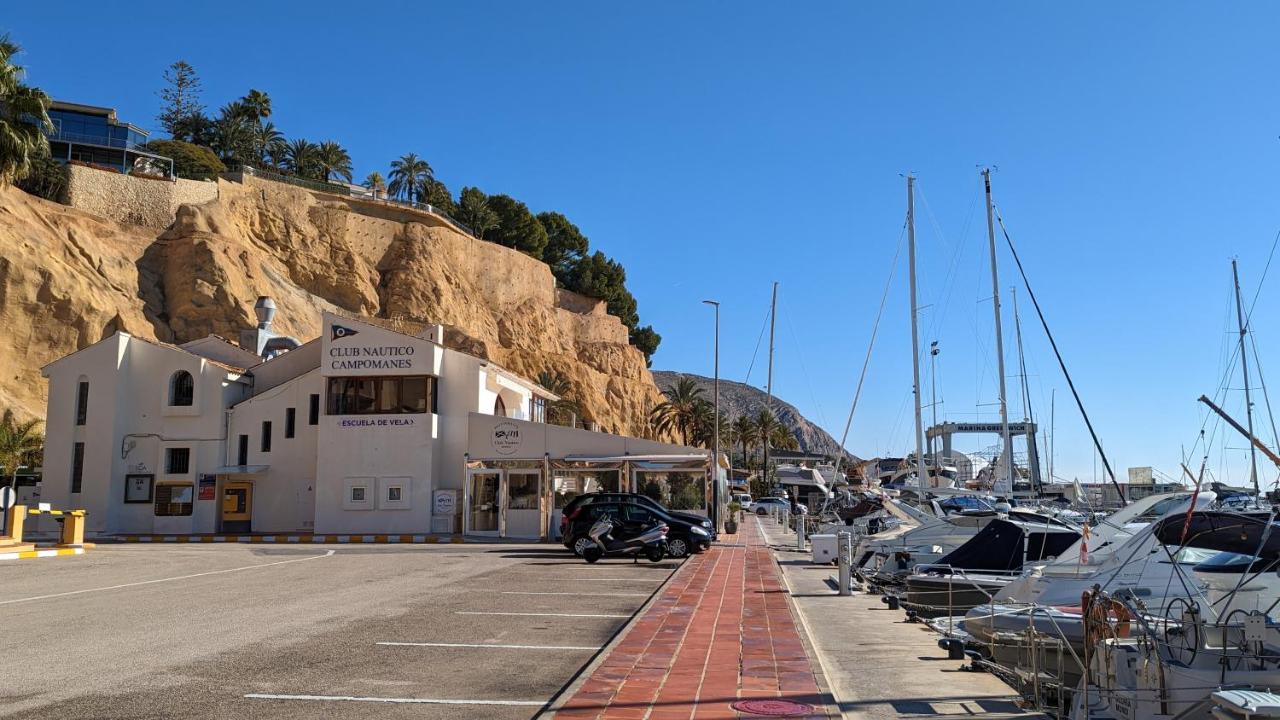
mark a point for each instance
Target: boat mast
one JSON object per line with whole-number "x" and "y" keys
{"x": 921, "y": 476}
{"x": 768, "y": 403}
{"x": 1006, "y": 452}
{"x": 1244, "y": 369}
{"x": 1027, "y": 417}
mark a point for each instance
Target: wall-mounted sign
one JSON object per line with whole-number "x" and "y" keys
{"x": 444, "y": 502}
{"x": 506, "y": 438}
{"x": 376, "y": 422}
{"x": 137, "y": 488}
{"x": 352, "y": 348}
{"x": 207, "y": 485}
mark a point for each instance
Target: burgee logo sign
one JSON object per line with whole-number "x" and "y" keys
{"x": 341, "y": 332}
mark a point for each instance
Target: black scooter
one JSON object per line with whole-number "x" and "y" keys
{"x": 652, "y": 543}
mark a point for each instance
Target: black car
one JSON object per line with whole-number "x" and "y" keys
{"x": 683, "y": 536}
{"x": 621, "y": 497}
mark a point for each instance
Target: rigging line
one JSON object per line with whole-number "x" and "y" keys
{"x": 822, "y": 418}
{"x": 1262, "y": 279}
{"x": 949, "y": 281}
{"x": 756, "y": 352}
{"x": 875, "y": 328}
{"x": 1257, "y": 363}
{"x": 1061, "y": 363}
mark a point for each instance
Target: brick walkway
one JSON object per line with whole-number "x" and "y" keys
{"x": 721, "y": 631}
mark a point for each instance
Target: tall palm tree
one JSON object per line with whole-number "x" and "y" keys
{"x": 20, "y": 444}
{"x": 268, "y": 143}
{"x": 744, "y": 429}
{"x": 257, "y": 105}
{"x": 375, "y": 183}
{"x": 300, "y": 158}
{"x": 333, "y": 159}
{"x": 765, "y": 423}
{"x": 783, "y": 439}
{"x": 409, "y": 177}
{"x": 23, "y": 117}
{"x": 680, "y": 411}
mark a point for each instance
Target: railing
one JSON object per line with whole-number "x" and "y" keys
{"x": 337, "y": 189}
{"x": 103, "y": 140}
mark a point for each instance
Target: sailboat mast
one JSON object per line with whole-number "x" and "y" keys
{"x": 768, "y": 403}
{"x": 1006, "y": 452}
{"x": 1244, "y": 369}
{"x": 921, "y": 476}
{"x": 1027, "y": 417}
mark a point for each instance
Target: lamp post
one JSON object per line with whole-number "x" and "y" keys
{"x": 715, "y": 443}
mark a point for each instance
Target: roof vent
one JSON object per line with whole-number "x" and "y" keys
{"x": 265, "y": 309}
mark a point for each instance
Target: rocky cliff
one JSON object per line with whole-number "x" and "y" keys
{"x": 738, "y": 399}
{"x": 68, "y": 278}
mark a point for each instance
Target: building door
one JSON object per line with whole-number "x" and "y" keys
{"x": 522, "y": 503}
{"x": 483, "y": 491}
{"x": 237, "y": 507}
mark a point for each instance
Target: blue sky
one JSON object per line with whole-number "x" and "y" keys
{"x": 717, "y": 147}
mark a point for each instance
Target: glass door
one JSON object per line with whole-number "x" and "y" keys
{"x": 523, "y": 504}
{"x": 483, "y": 488}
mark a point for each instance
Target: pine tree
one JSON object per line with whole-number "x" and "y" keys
{"x": 181, "y": 100}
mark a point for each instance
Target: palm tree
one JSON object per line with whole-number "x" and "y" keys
{"x": 744, "y": 430}
{"x": 268, "y": 143}
{"x": 23, "y": 117}
{"x": 409, "y": 177}
{"x": 233, "y": 136}
{"x": 333, "y": 159}
{"x": 679, "y": 413}
{"x": 300, "y": 158}
{"x": 257, "y": 105}
{"x": 765, "y": 425}
{"x": 783, "y": 439}
{"x": 20, "y": 444}
{"x": 565, "y": 408}
{"x": 375, "y": 183}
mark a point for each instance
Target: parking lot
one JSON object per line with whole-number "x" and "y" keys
{"x": 334, "y": 631}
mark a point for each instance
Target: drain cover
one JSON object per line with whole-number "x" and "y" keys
{"x": 772, "y": 707}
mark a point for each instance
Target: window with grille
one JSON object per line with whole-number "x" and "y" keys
{"x": 82, "y": 402}
{"x": 77, "y": 467}
{"x": 177, "y": 461}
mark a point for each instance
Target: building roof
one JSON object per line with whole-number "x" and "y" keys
{"x": 108, "y": 113}
{"x": 149, "y": 341}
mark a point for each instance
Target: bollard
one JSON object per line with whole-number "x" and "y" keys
{"x": 800, "y": 531}
{"x": 16, "y": 515}
{"x": 73, "y": 530}
{"x": 844, "y": 555}
{"x": 786, "y": 519}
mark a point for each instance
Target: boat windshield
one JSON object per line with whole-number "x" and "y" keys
{"x": 1195, "y": 556}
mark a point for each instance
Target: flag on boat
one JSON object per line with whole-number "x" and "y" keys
{"x": 1084, "y": 544}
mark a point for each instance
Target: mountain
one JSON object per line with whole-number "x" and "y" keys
{"x": 177, "y": 271}
{"x": 737, "y": 399}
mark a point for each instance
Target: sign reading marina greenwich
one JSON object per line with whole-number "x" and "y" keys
{"x": 384, "y": 357}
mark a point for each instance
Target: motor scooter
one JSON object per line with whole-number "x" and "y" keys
{"x": 652, "y": 543}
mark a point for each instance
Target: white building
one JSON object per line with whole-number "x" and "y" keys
{"x": 364, "y": 430}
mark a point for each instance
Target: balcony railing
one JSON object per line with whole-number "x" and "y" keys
{"x": 86, "y": 139}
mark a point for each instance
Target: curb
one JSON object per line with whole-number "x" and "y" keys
{"x": 33, "y": 554}
{"x": 289, "y": 539}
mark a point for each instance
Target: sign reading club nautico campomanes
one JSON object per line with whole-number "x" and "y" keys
{"x": 352, "y": 348}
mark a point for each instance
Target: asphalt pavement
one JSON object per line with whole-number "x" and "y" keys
{"x": 334, "y": 631}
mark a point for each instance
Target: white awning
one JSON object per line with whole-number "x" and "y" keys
{"x": 240, "y": 469}
{"x": 636, "y": 458}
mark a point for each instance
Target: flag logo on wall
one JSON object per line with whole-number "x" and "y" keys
{"x": 341, "y": 332}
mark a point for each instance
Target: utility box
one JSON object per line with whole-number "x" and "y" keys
{"x": 444, "y": 512}
{"x": 825, "y": 549}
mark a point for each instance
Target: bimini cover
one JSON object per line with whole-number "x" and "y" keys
{"x": 999, "y": 546}
{"x": 1246, "y": 534}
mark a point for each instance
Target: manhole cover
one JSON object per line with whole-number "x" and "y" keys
{"x": 772, "y": 708}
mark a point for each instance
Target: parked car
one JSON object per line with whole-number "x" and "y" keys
{"x": 743, "y": 499}
{"x": 764, "y": 505}
{"x": 582, "y": 501}
{"x": 683, "y": 537}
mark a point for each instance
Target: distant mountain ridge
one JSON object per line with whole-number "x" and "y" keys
{"x": 737, "y": 399}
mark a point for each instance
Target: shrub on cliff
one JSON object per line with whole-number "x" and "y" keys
{"x": 188, "y": 160}
{"x": 46, "y": 178}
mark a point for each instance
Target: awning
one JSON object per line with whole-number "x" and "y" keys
{"x": 635, "y": 458}
{"x": 240, "y": 469}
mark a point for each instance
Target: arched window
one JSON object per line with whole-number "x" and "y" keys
{"x": 499, "y": 407}
{"x": 182, "y": 389}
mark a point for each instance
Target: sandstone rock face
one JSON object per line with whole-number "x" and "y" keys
{"x": 68, "y": 278}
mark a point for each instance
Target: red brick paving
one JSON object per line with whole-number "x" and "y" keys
{"x": 720, "y": 631}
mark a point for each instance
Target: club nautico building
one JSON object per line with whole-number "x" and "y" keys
{"x": 363, "y": 430}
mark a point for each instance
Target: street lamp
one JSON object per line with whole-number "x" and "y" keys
{"x": 715, "y": 443}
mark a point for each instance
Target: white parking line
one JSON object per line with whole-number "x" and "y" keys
{"x": 499, "y": 647}
{"x": 521, "y": 614}
{"x": 419, "y": 701}
{"x": 160, "y": 580}
{"x": 576, "y": 594}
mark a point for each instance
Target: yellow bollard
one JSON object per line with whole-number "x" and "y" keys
{"x": 15, "y": 517}
{"x": 73, "y": 529}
